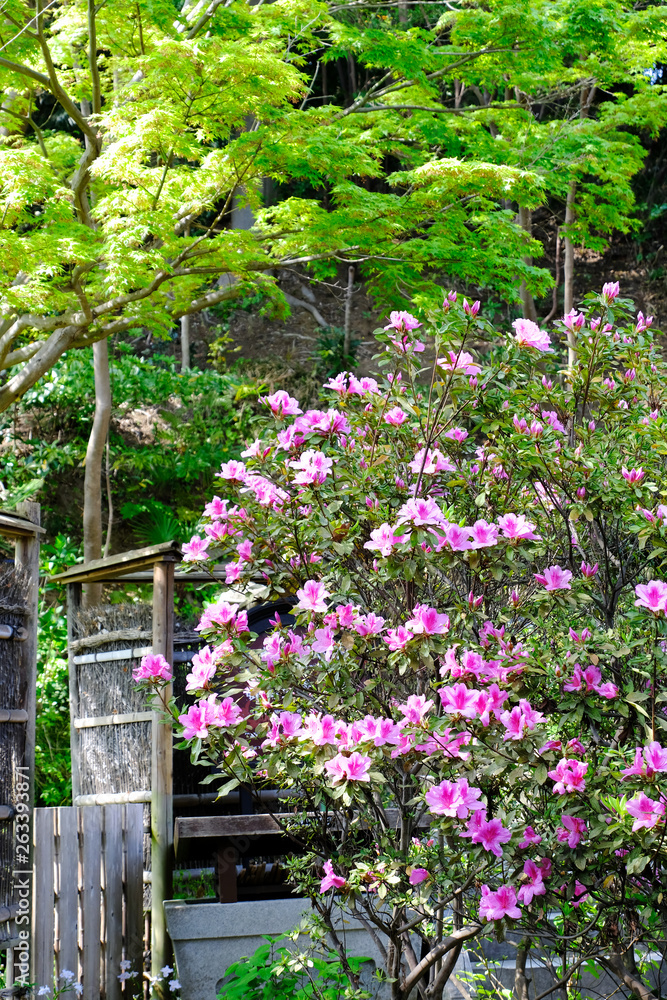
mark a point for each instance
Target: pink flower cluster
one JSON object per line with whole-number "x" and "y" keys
{"x": 224, "y": 616}
{"x": 589, "y": 679}
{"x": 209, "y": 712}
{"x": 648, "y": 761}
{"x": 568, "y": 776}
{"x": 153, "y": 667}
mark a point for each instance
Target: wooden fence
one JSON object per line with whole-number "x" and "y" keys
{"x": 88, "y": 896}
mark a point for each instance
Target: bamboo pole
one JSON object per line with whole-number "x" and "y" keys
{"x": 162, "y": 821}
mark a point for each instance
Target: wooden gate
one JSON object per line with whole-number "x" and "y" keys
{"x": 88, "y": 896}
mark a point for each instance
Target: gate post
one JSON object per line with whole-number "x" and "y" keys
{"x": 162, "y": 818}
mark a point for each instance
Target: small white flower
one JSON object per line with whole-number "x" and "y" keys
{"x": 78, "y": 988}
{"x": 66, "y": 974}
{"x": 166, "y": 970}
{"x": 43, "y": 991}
{"x": 174, "y": 985}
{"x": 125, "y": 965}
{"x": 124, "y": 976}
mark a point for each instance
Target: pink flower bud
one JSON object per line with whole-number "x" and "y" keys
{"x": 581, "y": 492}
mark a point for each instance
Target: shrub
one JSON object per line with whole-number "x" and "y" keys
{"x": 475, "y": 545}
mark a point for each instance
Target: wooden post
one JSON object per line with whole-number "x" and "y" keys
{"x": 73, "y": 604}
{"x": 162, "y": 821}
{"x": 27, "y": 558}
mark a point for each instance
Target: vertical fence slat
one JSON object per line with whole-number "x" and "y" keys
{"x": 113, "y": 889}
{"x": 134, "y": 888}
{"x": 92, "y": 901}
{"x": 43, "y": 904}
{"x": 68, "y": 894}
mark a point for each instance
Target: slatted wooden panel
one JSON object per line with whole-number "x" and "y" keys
{"x": 88, "y": 905}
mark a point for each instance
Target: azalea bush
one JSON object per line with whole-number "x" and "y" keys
{"x": 469, "y": 715}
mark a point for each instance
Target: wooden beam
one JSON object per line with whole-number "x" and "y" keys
{"x": 100, "y": 570}
{"x": 162, "y": 811}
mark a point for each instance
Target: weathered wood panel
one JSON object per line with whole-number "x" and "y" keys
{"x": 88, "y": 898}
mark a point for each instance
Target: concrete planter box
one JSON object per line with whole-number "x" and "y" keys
{"x": 209, "y": 937}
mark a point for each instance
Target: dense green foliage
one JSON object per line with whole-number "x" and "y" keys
{"x": 168, "y": 431}
{"x": 277, "y": 972}
{"x": 136, "y": 130}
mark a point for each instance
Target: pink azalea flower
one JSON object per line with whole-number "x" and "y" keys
{"x": 356, "y": 767}
{"x": 336, "y": 768}
{"x": 646, "y": 811}
{"x": 418, "y": 875}
{"x": 517, "y": 528}
{"x": 455, "y": 538}
{"x": 153, "y": 667}
{"x": 499, "y": 904}
{"x": 580, "y": 896}
{"x": 457, "y": 699}
{"x": 429, "y": 462}
{"x": 195, "y": 723}
{"x": 655, "y": 757}
{"x": 324, "y": 642}
{"x": 416, "y": 708}
{"x": 370, "y": 624}
{"x": 420, "y": 512}
{"x": 427, "y": 621}
{"x": 572, "y": 830}
{"x": 528, "y": 334}
{"x": 554, "y": 578}
{"x": 551, "y": 417}
{"x": 588, "y": 570}
{"x": 574, "y": 320}
{"x": 530, "y": 838}
{"x": 320, "y": 729}
{"x": 282, "y": 404}
{"x": 610, "y": 290}
{"x": 633, "y": 476}
{"x": 195, "y": 549}
{"x": 234, "y": 471}
{"x": 397, "y": 638}
{"x": 568, "y": 776}
{"x": 312, "y": 467}
{"x": 216, "y": 509}
{"x": 636, "y": 768}
{"x": 402, "y": 321}
{"x": 331, "y": 880}
{"x": 312, "y": 597}
{"x": 461, "y": 362}
{"x": 652, "y": 596}
{"x": 395, "y": 416}
{"x": 232, "y": 572}
{"x": 383, "y": 540}
{"x": 203, "y": 669}
{"x": 535, "y": 885}
{"x": 483, "y": 534}
{"x": 458, "y": 434}
{"x": 453, "y": 798}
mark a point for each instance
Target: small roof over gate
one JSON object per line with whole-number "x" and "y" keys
{"x": 118, "y": 566}
{"x": 13, "y": 525}
{"x": 136, "y": 565}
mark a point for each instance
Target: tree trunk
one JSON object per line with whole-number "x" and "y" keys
{"x": 185, "y": 343}
{"x": 92, "y": 485}
{"x": 520, "y": 981}
{"x": 568, "y": 273}
{"x": 348, "y": 311}
{"x": 527, "y": 302}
